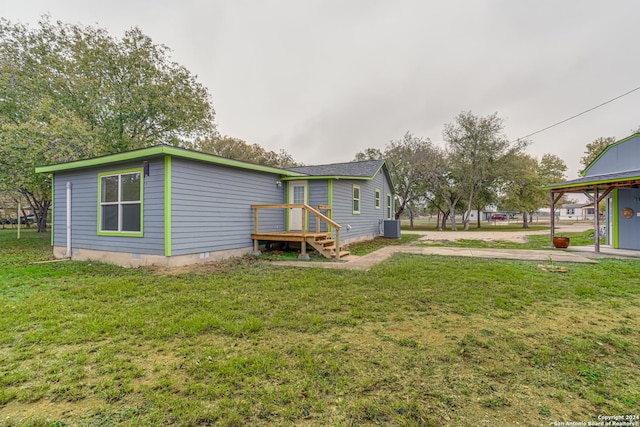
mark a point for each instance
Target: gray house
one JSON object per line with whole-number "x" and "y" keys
{"x": 613, "y": 177}
{"x": 170, "y": 206}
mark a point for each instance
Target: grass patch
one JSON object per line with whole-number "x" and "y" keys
{"x": 368, "y": 246}
{"x": 413, "y": 341}
{"x": 534, "y": 241}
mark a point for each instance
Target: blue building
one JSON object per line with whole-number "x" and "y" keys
{"x": 613, "y": 177}
{"x": 165, "y": 205}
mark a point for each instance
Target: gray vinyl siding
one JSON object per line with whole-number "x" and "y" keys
{"x": 84, "y": 208}
{"x": 211, "y": 206}
{"x": 628, "y": 228}
{"x": 368, "y": 222}
{"x": 619, "y": 158}
{"x": 318, "y": 195}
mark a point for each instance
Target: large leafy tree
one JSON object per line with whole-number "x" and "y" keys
{"x": 72, "y": 91}
{"x": 525, "y": 191}
{"x": 235, "y": 148}
{"x": 594, "y": 148}
{"x": 410, "y": 159}
{"x": 552, "y": 169}
{"x": 477, "y": 151}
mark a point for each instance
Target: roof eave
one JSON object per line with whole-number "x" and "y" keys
{"x": 159, "y": 151}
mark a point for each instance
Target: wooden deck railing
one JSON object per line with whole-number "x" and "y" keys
{"x": 305, "y": 210}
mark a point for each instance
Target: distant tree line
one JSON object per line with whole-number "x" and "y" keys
{"x": 477, "y": 167}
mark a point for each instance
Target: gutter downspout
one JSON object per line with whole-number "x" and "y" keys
{"x": 68, "y": 254}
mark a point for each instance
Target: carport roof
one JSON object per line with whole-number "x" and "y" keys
{"x": 617, "y": 179}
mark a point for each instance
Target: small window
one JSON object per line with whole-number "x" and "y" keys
{"x": 356, "y": 199}
{"x": 389, "y": 206}
{"x": 571, "y": 211}
{"x": 377, "y": 198}
{"x": 120, "y": 203}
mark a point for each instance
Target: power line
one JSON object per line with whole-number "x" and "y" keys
{"x": 578, "y": 115}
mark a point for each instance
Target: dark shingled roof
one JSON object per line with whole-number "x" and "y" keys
{"x": 365, "y": 169}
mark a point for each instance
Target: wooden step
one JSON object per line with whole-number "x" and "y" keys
{"x": 342, "y": 253}
{"x": 324, "y": 241}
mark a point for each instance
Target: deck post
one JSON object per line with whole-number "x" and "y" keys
{"x": 303, "y": 245}
{"x": 255, "y": 220}
{"x": 337, "y": 244}
{"x": 256, "y": 249}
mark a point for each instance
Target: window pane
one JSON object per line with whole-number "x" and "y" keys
{"x": 356, "y": 205}
{"x": 298, "y": 194}
{"x": 109, "y": 218}
{"x": 131, "y": 187}
{"x": 109, "y": 189}
{"x": 131, "y": 217}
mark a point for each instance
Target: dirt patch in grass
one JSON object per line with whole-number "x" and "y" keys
{"x": 20, "y": 413}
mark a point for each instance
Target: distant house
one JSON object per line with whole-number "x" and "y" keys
{"x": 613, "y": 177}
{"x": 170, "y": 206}
{"x": 576, "y": 212}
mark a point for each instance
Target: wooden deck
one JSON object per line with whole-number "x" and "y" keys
{"x": 322, "y": 241}
{"x": 289, "y": 236}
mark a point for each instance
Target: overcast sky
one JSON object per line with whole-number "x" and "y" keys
{"x": 324, "y": 79}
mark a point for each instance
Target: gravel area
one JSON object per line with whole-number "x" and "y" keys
{"x": 518, "y": 236}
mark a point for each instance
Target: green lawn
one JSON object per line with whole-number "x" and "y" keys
{"x": 416, "y": 340}
{"x": 534, "y": 241}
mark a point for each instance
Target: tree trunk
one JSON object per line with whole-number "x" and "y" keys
{"x": 479, "y": 224}
{"x": 524, "y": 220}
{"x": 40, "y": 209}
{"x": 453, "y": 220}
{"x": 445, "y": 216}
{"x": 411, "y": 217}
{"x": 438, "y": 227}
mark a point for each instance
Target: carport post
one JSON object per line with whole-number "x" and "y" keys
{"x": 596, "y": 220}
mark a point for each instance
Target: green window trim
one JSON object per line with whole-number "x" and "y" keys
{"x": 119, "y": 203}
{"x": 53, "y": 205}
{"x": 615, "y": 219}
{"x": 167, "y": 206}
{"x": 389, "y": 206}
{"x": 377, "y": 198}
{"x": 355, "y": 192}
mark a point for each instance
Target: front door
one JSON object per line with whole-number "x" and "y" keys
{"x": 297, "y": 194}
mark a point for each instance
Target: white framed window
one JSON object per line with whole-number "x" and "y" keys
{"x": 356, "y": 199}
{"x": 389, "y": 206}
{"x": 120, "y": 195}
{"x": 377, "y": 198}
